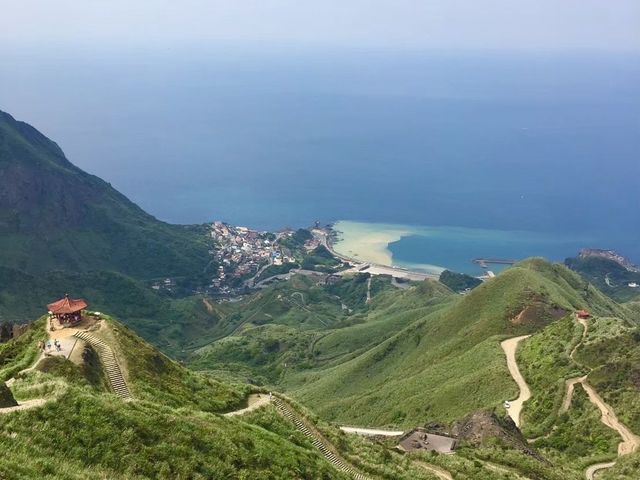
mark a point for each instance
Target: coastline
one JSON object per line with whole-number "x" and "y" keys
{"x": 367, "y": 242}
{"x": 432, "y": 249}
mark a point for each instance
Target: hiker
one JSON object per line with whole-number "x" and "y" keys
{"x": 41, "y": 346}
{"x": 48, "y": 345}
{"x": 57, "y": 344}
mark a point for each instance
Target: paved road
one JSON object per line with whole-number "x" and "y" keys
{"x": 510, "y": 346}
{"x": 370, "y": 432}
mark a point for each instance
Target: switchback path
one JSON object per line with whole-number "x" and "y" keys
{"x": 568, "y": 396}
{"x": 630, "y": 441}
{"x": 510, "y": 346}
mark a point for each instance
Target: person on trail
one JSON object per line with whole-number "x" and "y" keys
{"x": 41, "y": 346}
{"x": 57, "y": 344}
{"x": 48, "y": 345}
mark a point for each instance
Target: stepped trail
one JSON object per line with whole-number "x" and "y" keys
{"x": 510, "y": 346}
{"x": 317, "y": 439}
{"x": 110, "y": 363}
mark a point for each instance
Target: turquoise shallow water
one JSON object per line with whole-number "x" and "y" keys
{"x": 527, "y": 141}
{"x": 455, "y": 248}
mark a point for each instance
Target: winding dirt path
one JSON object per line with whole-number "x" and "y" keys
{"x": 510, "y": 346}
{"x": 630, "y": 441}
{"x": 26, "y": 405}
{"x": 254, "y": 402}
{"x": 568, "y": 396}
{"x": 208, "y": 305}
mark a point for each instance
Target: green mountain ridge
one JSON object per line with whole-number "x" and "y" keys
{"x": 359, "y": 350}
{"x": 171, "y": 429}
{"x": 63, "y": 230}
{"x": 54, "y": 216}
{"x": 410, "y": 356}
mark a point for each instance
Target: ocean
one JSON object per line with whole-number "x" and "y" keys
{"x": 545, "y": 144}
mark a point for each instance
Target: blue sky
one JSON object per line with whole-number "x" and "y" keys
{"x": 374, "y": 24}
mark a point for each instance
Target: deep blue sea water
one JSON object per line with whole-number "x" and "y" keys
{"x": 536, "y": 142}
{"x": 455, "y": 248}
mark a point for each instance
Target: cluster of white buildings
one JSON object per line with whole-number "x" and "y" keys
{"x": 241, "y": 251}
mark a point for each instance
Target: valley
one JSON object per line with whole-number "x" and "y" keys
{"x": 215, "y": 351}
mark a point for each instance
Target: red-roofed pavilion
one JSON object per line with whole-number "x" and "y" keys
{"x": 67, "y": 310}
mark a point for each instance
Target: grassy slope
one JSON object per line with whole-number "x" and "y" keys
{"x": 596, "y": 270}
{"x": 171, "y": 430}
{"x": 168, "y": 323}
{"x": 281, "y": 324}
{"x": 612, "y": 350}
{"x": 54, "y": 216}
{"x": 449, "y": 362}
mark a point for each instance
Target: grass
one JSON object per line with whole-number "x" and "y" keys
{"x": 445, "y": 362}
{"x": 22, "y": 352}
{"x": 626, "y": 467}
{"x": 409, "y": 356}
{"x": 612, "y": 350}
{"x": 579, "y": 438}
{"x": 170, "y": 431}
{"x": 544, "y": 362}
{"x": 74, "y": 221}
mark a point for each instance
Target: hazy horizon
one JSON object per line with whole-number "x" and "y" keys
{"x": 362, "y": 24}
{"x": 474, "y": 114}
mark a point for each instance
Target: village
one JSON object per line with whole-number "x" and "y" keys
{"x": 242, "y": 254}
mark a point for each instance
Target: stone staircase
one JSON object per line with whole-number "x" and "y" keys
{"x": 317, "y": 440}
{"x": 108, "y": 359}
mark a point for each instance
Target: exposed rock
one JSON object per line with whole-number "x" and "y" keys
{"x": 482, "y": 426}
{"x": 537, "y": 310}
{"x": 6, "y": 397}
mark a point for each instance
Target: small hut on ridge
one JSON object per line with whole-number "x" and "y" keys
{"x": 67, "y": 310}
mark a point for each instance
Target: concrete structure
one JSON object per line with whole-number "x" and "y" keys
{"x": 420, "y": 439}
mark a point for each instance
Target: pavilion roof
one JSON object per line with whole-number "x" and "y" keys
{"x": 67, "y": 305}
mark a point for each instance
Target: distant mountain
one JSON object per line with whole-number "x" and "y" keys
{"x": 610, "y": 273}
{"x": 55, "y": 216}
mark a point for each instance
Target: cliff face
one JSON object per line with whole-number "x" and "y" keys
{"x": 54, "y": 216}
